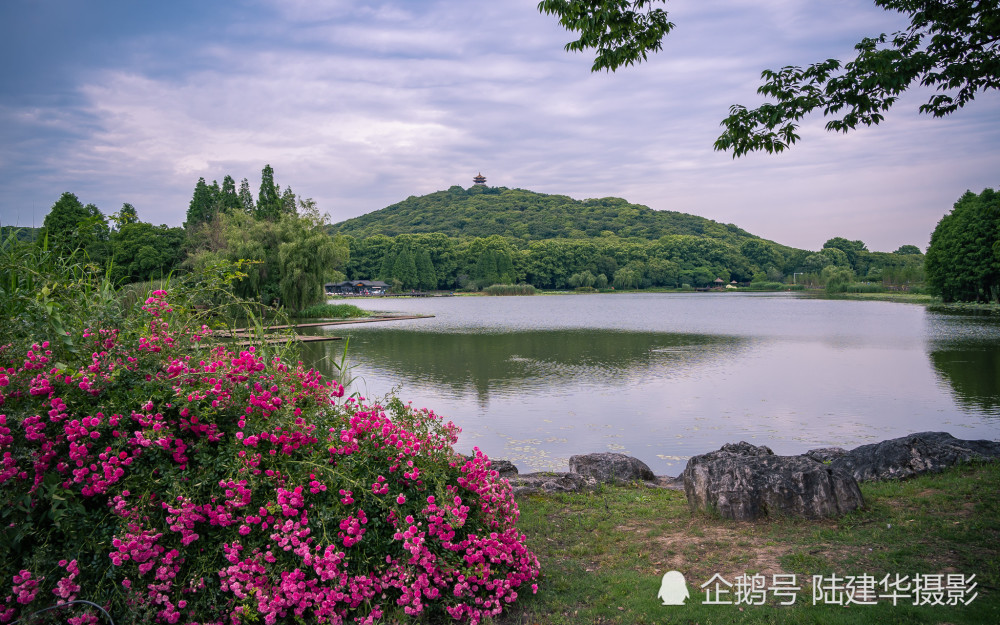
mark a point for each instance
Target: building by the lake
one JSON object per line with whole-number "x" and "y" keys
{"x": 357, "y": 287}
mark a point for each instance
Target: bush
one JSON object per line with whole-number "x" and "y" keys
{"x": 858, "y": 287}
{"x": 332, "y": 311}
{"x": 767, "y": 286}
{"x": 510, "y": 289}
{"x": 170, "y": 479}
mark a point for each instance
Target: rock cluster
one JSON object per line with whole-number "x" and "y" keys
{"x": 746, "y": 482}
{"x": 586, "y": 471}
{"x": 915, "y": 454}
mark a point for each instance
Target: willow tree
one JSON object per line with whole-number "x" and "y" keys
{"x": 287, "y": 261}
{"x": 307, "y": 257}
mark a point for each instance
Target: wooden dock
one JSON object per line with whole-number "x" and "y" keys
{"x": 281, "y": 339}
{"x": 243, "y": 333}
{"x": 338, "y": 322}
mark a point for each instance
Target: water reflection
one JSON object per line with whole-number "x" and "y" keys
{"x": 502, "y": 364}
{"x": 663, "y": 377}
{"x": 974, "y": 376}
{"x": 965, "y": 353}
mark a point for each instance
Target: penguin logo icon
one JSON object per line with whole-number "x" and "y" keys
{"x": 673, "y": 589}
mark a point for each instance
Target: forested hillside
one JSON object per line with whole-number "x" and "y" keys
{"x": 455, "y": 239}
{"x": 482, "y": 211}
{"x": 472, "y": 238}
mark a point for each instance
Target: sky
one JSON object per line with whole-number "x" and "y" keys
{"x": 359, "y": 105}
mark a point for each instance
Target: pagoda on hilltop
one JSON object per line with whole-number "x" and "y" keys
{"x": 479, "y": 179}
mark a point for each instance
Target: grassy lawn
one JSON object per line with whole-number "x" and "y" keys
{"x": 604, "y": 553}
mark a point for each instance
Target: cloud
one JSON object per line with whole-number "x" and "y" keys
{"x": 360, "y": 105}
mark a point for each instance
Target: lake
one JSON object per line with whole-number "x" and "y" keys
{"x": 666, "y": 376}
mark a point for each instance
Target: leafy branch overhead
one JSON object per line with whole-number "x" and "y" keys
{"x": 622, "y": 31}
{"x": 952, "y": 47}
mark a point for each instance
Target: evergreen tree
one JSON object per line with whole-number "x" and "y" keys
{"x": 201, "y": 208}
{"x": 216, "y": 194}
{"x": 127, "y": 215}
{"x": 963, "y": 260}
{"x": 388, "y": 263}
{"x": 426, "y": 277}
{"x": 62, "y": 221}
{"x": 288, "y": 202}
{"x": 505, "y": 268}
{"x": 228, "y": 198}
{"x": 405, "y": 269}
{"x": 71, "y": 226}
{"x": 246, "y": 202}
{"x": 269, "y": 202}
{"x": 486, "y": 271}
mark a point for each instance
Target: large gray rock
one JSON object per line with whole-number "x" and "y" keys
{"x": 611, "y": 468}
{"x": 745, "y": 482}
{"x": 505, "y": 468}
{"x": 924, "y": 452}
{"x": 530, "y": 483}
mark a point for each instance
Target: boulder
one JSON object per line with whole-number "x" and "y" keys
{"x": 529, "y": 483}
{"x": 745, "y": 482}
{"x": 900, "y": 458}
{"x": 505, "y": 468}
{"x": 611, "y": 468}
{"x": 826, "y": 454}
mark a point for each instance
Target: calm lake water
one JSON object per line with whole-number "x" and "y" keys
{"x": 663, "y": 377}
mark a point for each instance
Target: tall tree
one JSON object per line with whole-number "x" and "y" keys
{"x": 247, "y": 204}
{"x": 62, "y": 221}
{"x": 228, "y": 198}
{"x": 950, "y": 46}
{"x": 269, "y": 204}
{"x": 404, "y": 269}
{"x": 143, "y": 251}
{"x": 202, "y": 206}
{"x": 307, "y": 258}
{"x": 71, "y": 226}
{"x": 288, "y": 201}
{"x": 855, "y": 250}
{"x": 963, "y": 260}
{"x": 426, "y": 277}
{"x": 291, "y": 258}
{"x": 127, "y": 215}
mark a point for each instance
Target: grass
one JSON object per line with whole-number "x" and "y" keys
{"x": 332, "y": 311}
{"x": 886, "y": 296}
{"x": 603, "y": 553}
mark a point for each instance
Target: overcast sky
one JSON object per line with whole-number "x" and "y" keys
{"x": 362, "y": 104}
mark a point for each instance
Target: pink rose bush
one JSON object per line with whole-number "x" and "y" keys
{"x": 171, "y": 478}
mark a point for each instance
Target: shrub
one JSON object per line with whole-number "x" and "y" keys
{"x": 332, "y": 311}
{"x": 859, "y": 287}
{"x": 170, "y": 479}
{"x": 510, "y": 289}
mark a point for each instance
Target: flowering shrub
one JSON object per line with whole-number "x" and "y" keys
{"x": 172, "y": 480}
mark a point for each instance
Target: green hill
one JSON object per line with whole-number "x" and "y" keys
{"x": 484, "y": 211}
